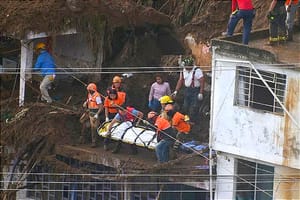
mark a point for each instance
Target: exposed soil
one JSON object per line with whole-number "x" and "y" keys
{"x": 34, "y": 135}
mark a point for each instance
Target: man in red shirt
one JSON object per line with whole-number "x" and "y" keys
{"x": 241, "y": 9}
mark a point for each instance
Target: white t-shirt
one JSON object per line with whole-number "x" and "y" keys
{"x": 188, "y": 76}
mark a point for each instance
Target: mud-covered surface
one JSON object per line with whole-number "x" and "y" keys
{"x": 150, "y": 35}
{"x": 54, "y": 125}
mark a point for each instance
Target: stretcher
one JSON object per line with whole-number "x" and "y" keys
{"x": 127, "y": 132}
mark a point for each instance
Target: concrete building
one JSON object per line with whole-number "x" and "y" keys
{"x": 255, "y": 119}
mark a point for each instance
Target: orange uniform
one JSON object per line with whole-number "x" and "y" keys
{"x": 112, "y": 105}
{"x": 91, "y": 100}
{"x": 162, "y": 124}
{"x": 180, "y": 124}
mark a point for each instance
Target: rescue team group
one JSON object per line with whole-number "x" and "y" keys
{"x": 169, "y": 124}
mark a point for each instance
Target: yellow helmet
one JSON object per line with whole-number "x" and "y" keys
{"x": 40, "y": 45}
{"x": 117, "y": 79}
{"x": 165, "y": 99}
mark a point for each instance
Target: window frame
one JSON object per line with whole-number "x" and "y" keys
{"x": 245, "y": 86}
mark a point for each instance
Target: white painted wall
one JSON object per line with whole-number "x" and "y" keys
{"x": 247, "y": 132}
{"x": 225, "y": 183}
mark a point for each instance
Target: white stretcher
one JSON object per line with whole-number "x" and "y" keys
{"x": 128, "y": 133}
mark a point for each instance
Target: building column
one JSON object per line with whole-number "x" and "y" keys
{"x": 126, "y": 189}
{"x": 225, "y": 183}
{"x": 25, "y": 68}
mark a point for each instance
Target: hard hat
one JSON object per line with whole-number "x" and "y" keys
{"x": 165, "y": 99}
{"x": 151, "y": 114}
{"x": 188, "y": 61}
{"x": 92, "y": 86}
{"x": 40, "y": 45}
{"x": 117, "y": 79}
{"x": 169, "y": 107}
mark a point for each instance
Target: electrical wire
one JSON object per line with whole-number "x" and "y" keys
{"x": 169, "y": 71}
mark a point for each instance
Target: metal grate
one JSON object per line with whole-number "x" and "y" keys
{"x": 252, "y": 92}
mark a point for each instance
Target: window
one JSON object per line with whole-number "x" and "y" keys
{"x": 252, "y": 92}
{"x": 254, "y": 181}
{"x": 65, "y": 192}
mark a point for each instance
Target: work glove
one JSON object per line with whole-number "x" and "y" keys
{"x": 270, "y": 16}
{"x": 96, "y": 116}
{"x": 51, "y": 78}
{"x": 234, "y": 12}
{"x": 146, "y": 122}
{"x": 288, "y": 9}
{"x": 106, "y": 119}
{"x": 174, "y": 94}
{"x": 200, "y": 96}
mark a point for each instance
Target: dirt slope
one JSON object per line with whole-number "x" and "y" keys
{"x": 42, "y": 126}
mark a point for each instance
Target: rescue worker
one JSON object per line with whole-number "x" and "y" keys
{"x": 277, "y": 17}
{"x": 113, "y": 100}
{"x": 121, "y": 94}
{"x": 165, "y": 136}
{"x": 125, "y": 114}
{"x": 241, "y": 9}
{"x": 95, "y": 106}
{"x": 116, "y": 83}
{"x": 164, "y": 100}
{"x": 45, "y": 64}
{"x": 179, "y": 122}
{"x": 291, "y": 8}
{"x": 193, "y": 80}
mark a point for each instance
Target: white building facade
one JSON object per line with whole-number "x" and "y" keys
{"x": 255, "y": 124}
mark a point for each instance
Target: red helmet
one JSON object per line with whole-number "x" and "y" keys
{"x": 92, "y": 86}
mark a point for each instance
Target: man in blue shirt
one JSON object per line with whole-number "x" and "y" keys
{"x": 45, "y": 64}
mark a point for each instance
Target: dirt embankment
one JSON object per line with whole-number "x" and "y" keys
{"x": 43, "y": 126}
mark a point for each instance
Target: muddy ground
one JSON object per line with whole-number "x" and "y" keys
{"x": 34, "y": 132}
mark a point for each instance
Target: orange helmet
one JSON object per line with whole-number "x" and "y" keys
{"x": 40, "y": 45}
{"x": 92, "y": 86}
{"x": 117, "y": 79}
